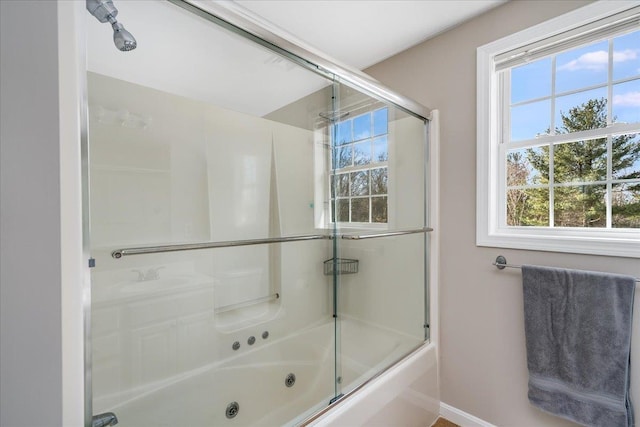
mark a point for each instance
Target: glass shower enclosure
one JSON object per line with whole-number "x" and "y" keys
{"x": 258, "y": 222}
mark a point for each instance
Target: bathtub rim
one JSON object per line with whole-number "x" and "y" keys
{"x": 312, "y": 420}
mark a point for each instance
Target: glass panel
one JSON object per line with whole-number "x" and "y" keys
{"x": 362, "y": 127}
{"x": 342, "y": 185}
{"x": 581, "y": 111}
{"x": 582, "y": 67}
{"x": 343, "y": 133}
{"x": 343, "y": 156}
{"x": 626, "y": 102}
{"x": 342, "y": 210}
{"x": 626, "y": 156}
{"x": 380, "y": 323}
{"x": 626, "y": 60}
{"x": 528, "y": 166}
{"x": 530, "y": 120}
{"x": 625, "y": 205}
{"x": 380, "y": 121}
{"x": 528, "y": 207}
{"x": 379, "y": 209}
{"x": 360, "y": 210}
{"x": 379, "y": 178}
{"x": 380, "y": 149}
{"x": 580, "y": 206}
{"x": 362, "y": 153}
{"x": 360, "y": 183}
{"x": 531, "y": 81}
{"x": 580, "y": 161}
{"x": 223, "y": 145}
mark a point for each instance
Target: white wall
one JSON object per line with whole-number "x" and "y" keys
{"x": 482, "y": 350}
{"x": 30, "y": 268}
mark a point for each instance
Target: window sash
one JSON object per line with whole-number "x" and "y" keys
{"x": 552, "y": 139}
{"x": 614, "y": 25}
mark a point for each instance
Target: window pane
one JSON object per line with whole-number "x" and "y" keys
{"x": 342, "y": 211}
{"x": 360, "y": 210}
{"x": 528, "y": 207}
{"x": 582, "y": 67}
{"x": 580, "y": 161}
{"x": 625, "y": 205}
{"x": 531, "y": 81}
{"x": 360, "y": 183}
{"x": 379, "y": 209}
{"x": 341, "y": 185}
{"x": 626, "y": 102}
{"x": 343, "y": 132}
{"x": 625, "y": 162}
{"x": 528, "y": 166}
{"x": 530, "y": 120}
{"x": 581, "y": 111}
{"x": 580, "y": 206}
{"x": 626, "y": 58}
{"x": 342, "y": 157}
{"x": 362, "y": 153}
{"x": 379, "y": 181}
{"x": 380, "y": 122}
{"x": 380, "y": 149}
{"x": 362, "y": 127}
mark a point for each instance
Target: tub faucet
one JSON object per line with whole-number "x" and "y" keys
{"x": 104, "y": 420}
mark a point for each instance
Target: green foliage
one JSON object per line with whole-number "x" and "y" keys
{"x": 580, "y": 162}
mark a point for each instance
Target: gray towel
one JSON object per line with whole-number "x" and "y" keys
{"x": 578, "y": 333}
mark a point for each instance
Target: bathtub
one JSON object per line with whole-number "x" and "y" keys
{"x": 255, "y": 388}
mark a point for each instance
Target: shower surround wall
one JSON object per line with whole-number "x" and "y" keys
{"x": 159, "y": 181}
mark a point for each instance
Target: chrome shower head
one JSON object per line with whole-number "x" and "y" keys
{"x": 123, "y": 38}
{"x": 105, "y": 11}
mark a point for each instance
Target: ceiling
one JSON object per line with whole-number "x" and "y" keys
{"x": 183, "y": 54}
{"x": 361, "y": 33}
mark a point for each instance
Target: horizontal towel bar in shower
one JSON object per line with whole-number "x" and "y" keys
{"x": 501, "y": 264}
{"x": 119, "y": 253}
{"x": 385, "y": 234}
{"x": 210, "y": 245}
{"x": 247, "y": 303}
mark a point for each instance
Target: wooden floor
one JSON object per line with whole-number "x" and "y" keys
{"x": 441, "y": 422}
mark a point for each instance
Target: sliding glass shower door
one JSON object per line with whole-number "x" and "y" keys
{"x": 379, "y": 212}
{"x": 258, "y": 229}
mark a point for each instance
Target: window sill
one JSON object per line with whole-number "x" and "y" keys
{"x": 623, "y": 243}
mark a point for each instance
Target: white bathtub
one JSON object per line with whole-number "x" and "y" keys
{"x": 255, "y": 380}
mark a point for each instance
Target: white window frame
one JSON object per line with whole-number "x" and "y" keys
{"x": 490, "y": 178}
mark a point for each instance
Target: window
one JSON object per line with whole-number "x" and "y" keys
{"x": 359, "y": 168}
{"x": 559, "y": 135}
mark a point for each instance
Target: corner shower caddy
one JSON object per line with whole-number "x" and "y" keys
{"x": 340, "y": 266}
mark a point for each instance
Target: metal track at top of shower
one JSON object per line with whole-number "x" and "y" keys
{"x": 241, "y": 21}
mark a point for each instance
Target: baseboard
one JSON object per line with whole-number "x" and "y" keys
{"x": 461, "y": 418}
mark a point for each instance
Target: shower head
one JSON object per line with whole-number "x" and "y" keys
{"x": 105, "y": 11}
{"x": 123, "y": 38}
